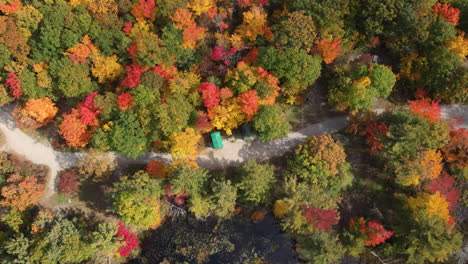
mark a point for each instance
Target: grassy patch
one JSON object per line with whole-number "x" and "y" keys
{"x": 61, "y": 198}
{"x": 2, "y": 139}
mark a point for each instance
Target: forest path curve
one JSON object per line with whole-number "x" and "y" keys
{"x": 234, "y": 152}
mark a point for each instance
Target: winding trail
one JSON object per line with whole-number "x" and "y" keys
{"x": 234, "y": 152}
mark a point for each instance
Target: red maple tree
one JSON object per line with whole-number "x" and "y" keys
{"x": 129, "y": 239}
{"x": 144, "y": 9}
{"x": 157, "y": 169}
{"x": 217, "y": 18}
{"x": 220, "y": 53}
{"x": 448, "y": 13}
{"x": 132, "y": 79}
{"x": 426, "y": 108}
{"x": 373, "y": 132}
{"x": 132, "y": 50}
{"x": 192, "y": 34}
{"x": 252, "y": 56}
{"x": 178, "y": 198}
{"x": 376, "y": 233}
{"x": 127, "y": 28}
{"x": 14, "y": 84}
{"x": 225, "y": 93}
{"x": 125, "y": 101}
{"x": 267, "y": 33}
{"x": 320, "y": 219}
{"x": 248, "y": 101}
{"x": 68, "y": 183}
{"x": 444, "y": 185}
{"x": 203, "y": 123}
{"x": 210, "y": 94}
{"x": 246, "y": 3}
{"x": 167, "y": 73}
{"x": 88, "y": 110}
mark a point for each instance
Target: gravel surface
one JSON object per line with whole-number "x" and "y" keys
{"x": 234, "y": 152}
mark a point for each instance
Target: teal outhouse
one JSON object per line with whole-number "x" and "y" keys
{"x": 217, "y": 140}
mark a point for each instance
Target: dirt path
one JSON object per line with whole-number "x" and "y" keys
{"x": 19, "y": 142}
{"x": 234, "y": 152}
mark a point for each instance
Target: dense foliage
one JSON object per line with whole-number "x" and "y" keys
{"x": 358, "y": 87}
{"x": 143, "y": 69}
{"x": 136, "y": 201}
{"x": 135, "y": 77}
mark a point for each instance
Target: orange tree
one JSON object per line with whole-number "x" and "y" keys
{"x": 36, "y": 113}
{"x": 75, "y": 132}
{"x": 21, "y": 192}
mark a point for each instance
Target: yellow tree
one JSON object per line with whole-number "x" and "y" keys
{"x": 43, "y": 78}
{"x": 431, "y": 164}
{"x": 185, "y": 144}
{"x": 102, "y": 6}
{"x": 280, "y": 208}
{"x": 35, "y": 113}
{"x": 253, "y": 24}
{"x": 433, "y": 204}
{"x": 427, "y": 166}
{"x": 325, "y": 148}
{"x": 409, "y": 174}
{"x": 227, "y": 115}
{"x": 186, "y": 83}
{"x": 106, "y": 69}
{"x": 201, "y": 6}
{"x": 459, "y": 45}
{"x": 75, "y": 3}
{"x": 409, "y": 64}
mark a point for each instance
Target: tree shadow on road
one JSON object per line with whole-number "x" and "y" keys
{"x": 278, "y": 147}
{"x": 210, "y": 161}
{"x": 6, "y": 117}
{"x": 68, "y": 159}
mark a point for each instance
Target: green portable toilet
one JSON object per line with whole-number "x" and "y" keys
{"x": 217, "y": 140}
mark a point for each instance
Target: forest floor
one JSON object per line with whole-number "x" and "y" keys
{"x": 234, "y": 152}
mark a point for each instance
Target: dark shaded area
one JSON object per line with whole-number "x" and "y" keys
{"x": 188, "y": 240}
{"x": 363, "y": 197}
{"x": 95, "y": 195}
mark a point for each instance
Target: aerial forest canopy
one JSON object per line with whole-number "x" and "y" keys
{"x": 133, "y": 76}
{"x": 138, "y": 76}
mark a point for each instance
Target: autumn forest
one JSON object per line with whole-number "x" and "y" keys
{"x": 233, "y": 131}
